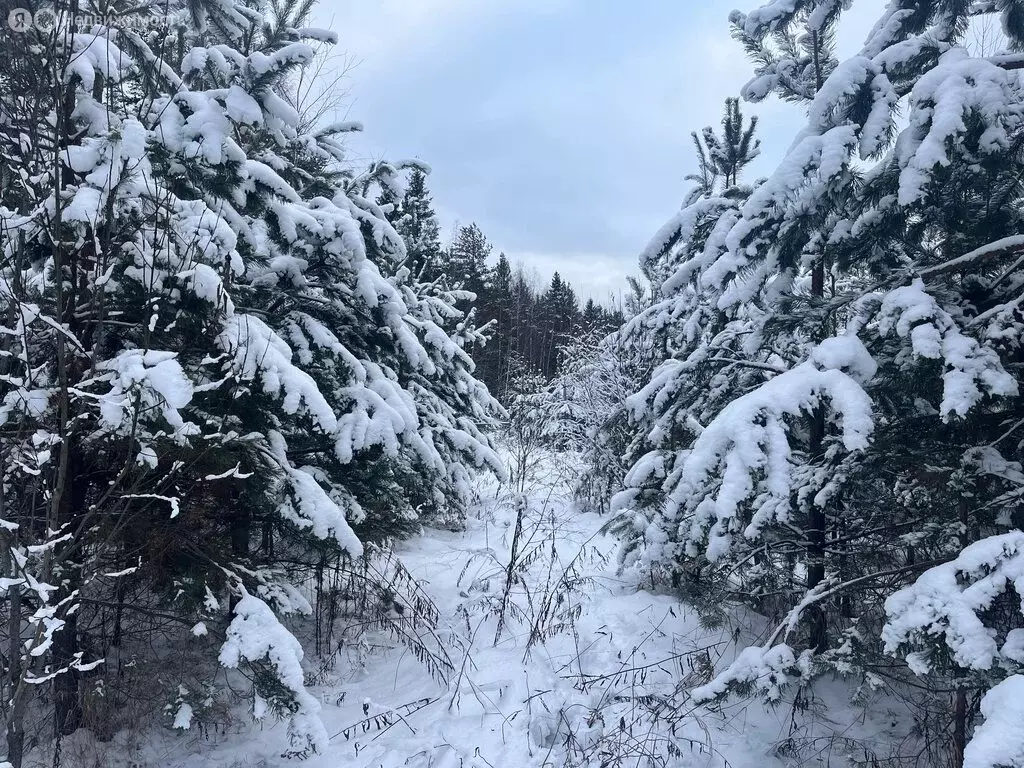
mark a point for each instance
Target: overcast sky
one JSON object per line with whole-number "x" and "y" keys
{"x": 560, "y": 126}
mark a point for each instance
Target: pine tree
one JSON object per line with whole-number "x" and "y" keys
{"x": 725, "y": 156}
{"x": 465, "y": 270}
{"x": 496, "y": 310}
{"x": 215, "y": 363}
{"x": 559, "y": 316}
{"x": 526, "y": 320}
{"x": 839, "y": 347}
{"x": 467, "y": 260}
{"x": 416, "y": 222}
{"x": 592, "y": 316}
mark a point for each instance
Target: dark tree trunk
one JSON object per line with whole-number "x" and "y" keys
{"x": 16, "y": 713}
{"x": 67, "y": 706}
{"x": 959, "y": 727}
{"x": 817, "y": 533}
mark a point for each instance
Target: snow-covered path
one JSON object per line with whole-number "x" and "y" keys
{"x": 584, "y": 670}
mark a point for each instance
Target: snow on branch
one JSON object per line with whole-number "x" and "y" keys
{"x": 842, "y": 88}
{"x": 310, "y": 506}
{"x": 972, "y": 370}
{"x": 680, "y": 228}
{"x": 745, "y": 450}
{"x": 1006, "y": 246}
{"x": 319, "y": 35}
{"x": 761, "y": 21}
{"x": 765, "y": 669}
{"x": 1008, "y": 61}
{"x": 813, "y": 167}
{"x": 940, "y": 104}
{"x": 940, "y": 611}
{"x": 283, "y": 58}
{"x": 143, "y": 383}
{"x": 259, "y": 353}
{"x": 255, "y": 635}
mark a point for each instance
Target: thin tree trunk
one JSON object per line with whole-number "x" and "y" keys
{"x": 16, "y": 713}
{"x": 69, "y": 492}
{"x": 959, "y": 727}
{"x": 66, "y": 702}
{"x": 960, "y": 710}
{"x": 817, "y": 618}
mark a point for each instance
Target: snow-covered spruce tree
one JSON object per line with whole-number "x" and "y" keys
{"x": 465, "y": 262}
{"x": 452, "y": 402}
{"x": 207, "y": 367}
{"x": 416, "y": 222}
{"x": 558, "y": 320}
{"x": 92, "y": 393}
{"x": 838, "y": 399}
{"x": 697, "y": 352}
{"x": 454, "y": 408}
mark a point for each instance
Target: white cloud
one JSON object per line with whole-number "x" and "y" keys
{"x": 601, "y": 277}
{"x": 386, "y": 35}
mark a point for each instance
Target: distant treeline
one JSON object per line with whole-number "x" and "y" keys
{"x": 527, "y": 324}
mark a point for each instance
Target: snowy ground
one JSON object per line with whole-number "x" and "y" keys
{"x": 586, "y": 670}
